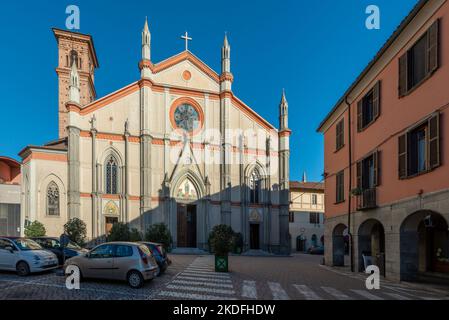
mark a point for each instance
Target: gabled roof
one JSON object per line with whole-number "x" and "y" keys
{"x": 183, "y": 56}
{"x": 377, "y": 57}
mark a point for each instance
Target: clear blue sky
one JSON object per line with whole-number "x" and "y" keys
{"x": 313, "y": 49}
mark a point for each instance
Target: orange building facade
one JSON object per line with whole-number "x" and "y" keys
{"x": 386, "y": 155}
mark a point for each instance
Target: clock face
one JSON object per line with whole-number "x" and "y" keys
{"x": 187, "y": 117}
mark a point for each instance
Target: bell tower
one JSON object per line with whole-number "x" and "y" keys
{"x": 74, "y": 48}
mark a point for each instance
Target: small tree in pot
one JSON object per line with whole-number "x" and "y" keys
{"x": 221, "y": 241}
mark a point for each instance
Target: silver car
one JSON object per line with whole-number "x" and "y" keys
{"x": 25, "y": 256}
{"x": 128, "y": 261}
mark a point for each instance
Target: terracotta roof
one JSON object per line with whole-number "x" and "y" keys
{"x": 307, "y": 185}
{"x": 376, "y": 58}
{"x": 10, "y": 161}
{"x": 56, "y": 145}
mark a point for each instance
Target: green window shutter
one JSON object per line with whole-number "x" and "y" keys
{"x": 434, "y": 141}
{"x": 376, "y": 100}
{"x": 403, "y": 75}
{"x": 433, "y": 47}
{"x": 402, "y": 156}
{"x": 360, "y": 115}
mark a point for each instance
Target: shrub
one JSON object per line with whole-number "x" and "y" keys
{"x": 35, "y": 229}
{"x": 119, "y": 232}
{"x": 159, "y": 233}
{"x": 221, "y": 240}
{"x": 76, "y": 230}
{"x": 135, "y": 235}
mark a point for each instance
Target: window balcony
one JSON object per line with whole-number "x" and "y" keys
{"x": 367, "y": 199}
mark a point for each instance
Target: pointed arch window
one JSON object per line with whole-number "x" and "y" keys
{"x": 52, "y": 199}
{"x": 111, "y": 175}
{"x": 74, "y": 58}
{"x": 255, "y": 186}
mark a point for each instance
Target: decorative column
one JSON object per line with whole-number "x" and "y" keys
{"x": 73, "y": 172}
{"x": 126, "y": 173}
{"x": 284, "y": 176}
{"x": 94, "y": 195}
{"x": 226, "y": 79}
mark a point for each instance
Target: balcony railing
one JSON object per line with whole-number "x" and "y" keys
{"x": 367, "y": 199}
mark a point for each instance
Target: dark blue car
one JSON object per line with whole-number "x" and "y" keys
{"x": 53, "y": 245}
{"x": 159, "y": 254}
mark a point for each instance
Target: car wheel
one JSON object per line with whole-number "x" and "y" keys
{"x": 23, "y": 269}
{"x": 135, "y": 279}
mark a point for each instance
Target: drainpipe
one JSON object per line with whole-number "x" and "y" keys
{"x": 351, "y": 242}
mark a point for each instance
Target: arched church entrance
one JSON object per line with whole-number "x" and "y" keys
{"x": 371, "y": 245}
{"x": 339, "y": 245}
{"x": 424, "y": 243}
{"x": 186, "y": 202}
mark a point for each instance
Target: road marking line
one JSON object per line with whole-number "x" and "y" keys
{"x": 397, "y": 296}
{"x": 193, "y": 296}
{"x": 249, "y": 289}
{"x": 308, "y": 293}
{"x": 208, "y": 273}
{"x": 277, "y": 291}
{"x": 336, "y": 293}
{"x": 204, "y": 279}
{"x": 213, "y": 276}
{"x": 203, "y": 283}
{"x": 367, "y": 295}
{"x": 200, "y": 289}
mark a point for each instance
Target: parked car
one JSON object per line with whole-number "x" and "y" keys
{"x": 131, "y": 262}
{"x": 316, "y": 250}
{"x": 53, "y": 245}
{"x": 159, "y": 254}
{"x": 25, "y": 256}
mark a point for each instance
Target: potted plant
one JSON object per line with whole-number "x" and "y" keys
{"x": 221, "y": 241}
{"x": 356, "y": 192}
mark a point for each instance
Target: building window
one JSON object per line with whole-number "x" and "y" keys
{"x": 368, "y": 172}
{"x": 368, "y": 108}
{"x": 73, "y": 58}
{"x": 420, "y": 61}
{"x": 340, "y": 187}
{"x": 314, "y": 199}
{"x": 340, "y": 135}
{"x": 314, "y": 218}
{"x": 255, "y": 184}
{"x": 111, "y": 176}
{"x": 419, "y": 148}
{"x": 53, "y": 199}
{"x": 291, "y": 217}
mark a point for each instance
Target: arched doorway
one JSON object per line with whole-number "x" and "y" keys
{"x": 340, "y": 245}
{"x": 424, "y": 244}
{"x": 186, "y": 214}
{"x": 300, "y": 243}
{"x": 371, "y": 245}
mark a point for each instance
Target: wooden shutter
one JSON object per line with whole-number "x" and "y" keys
{"x": 376, "y": 100}
{"x": 339, "y": 135}
{"x": 360, "y": 115}
{"x": 376, "y": 168}
{"x": 402, "y": 156}
{"x": 359, "y": 174}
{"x": 432, "y": 47}
{"x": 434, "y": 141}
{"x": 403, "y": 75}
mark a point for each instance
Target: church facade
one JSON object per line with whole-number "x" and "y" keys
{"x": 175, "y": 147}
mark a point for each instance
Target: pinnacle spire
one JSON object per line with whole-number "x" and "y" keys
{"x": 146, "y": 41}
{"x": 74, "y": 92}
{"x": 226, "y": 55}
{"x": 283, "y": 112}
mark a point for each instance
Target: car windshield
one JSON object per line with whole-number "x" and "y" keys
{"x": 27, "y": 244}
{"x": 73, "y": 245}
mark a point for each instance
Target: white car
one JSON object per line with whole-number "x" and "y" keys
{"x": 25, "y": 256}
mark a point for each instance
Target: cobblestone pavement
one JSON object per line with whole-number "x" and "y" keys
{"x": 193, "y": 277}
